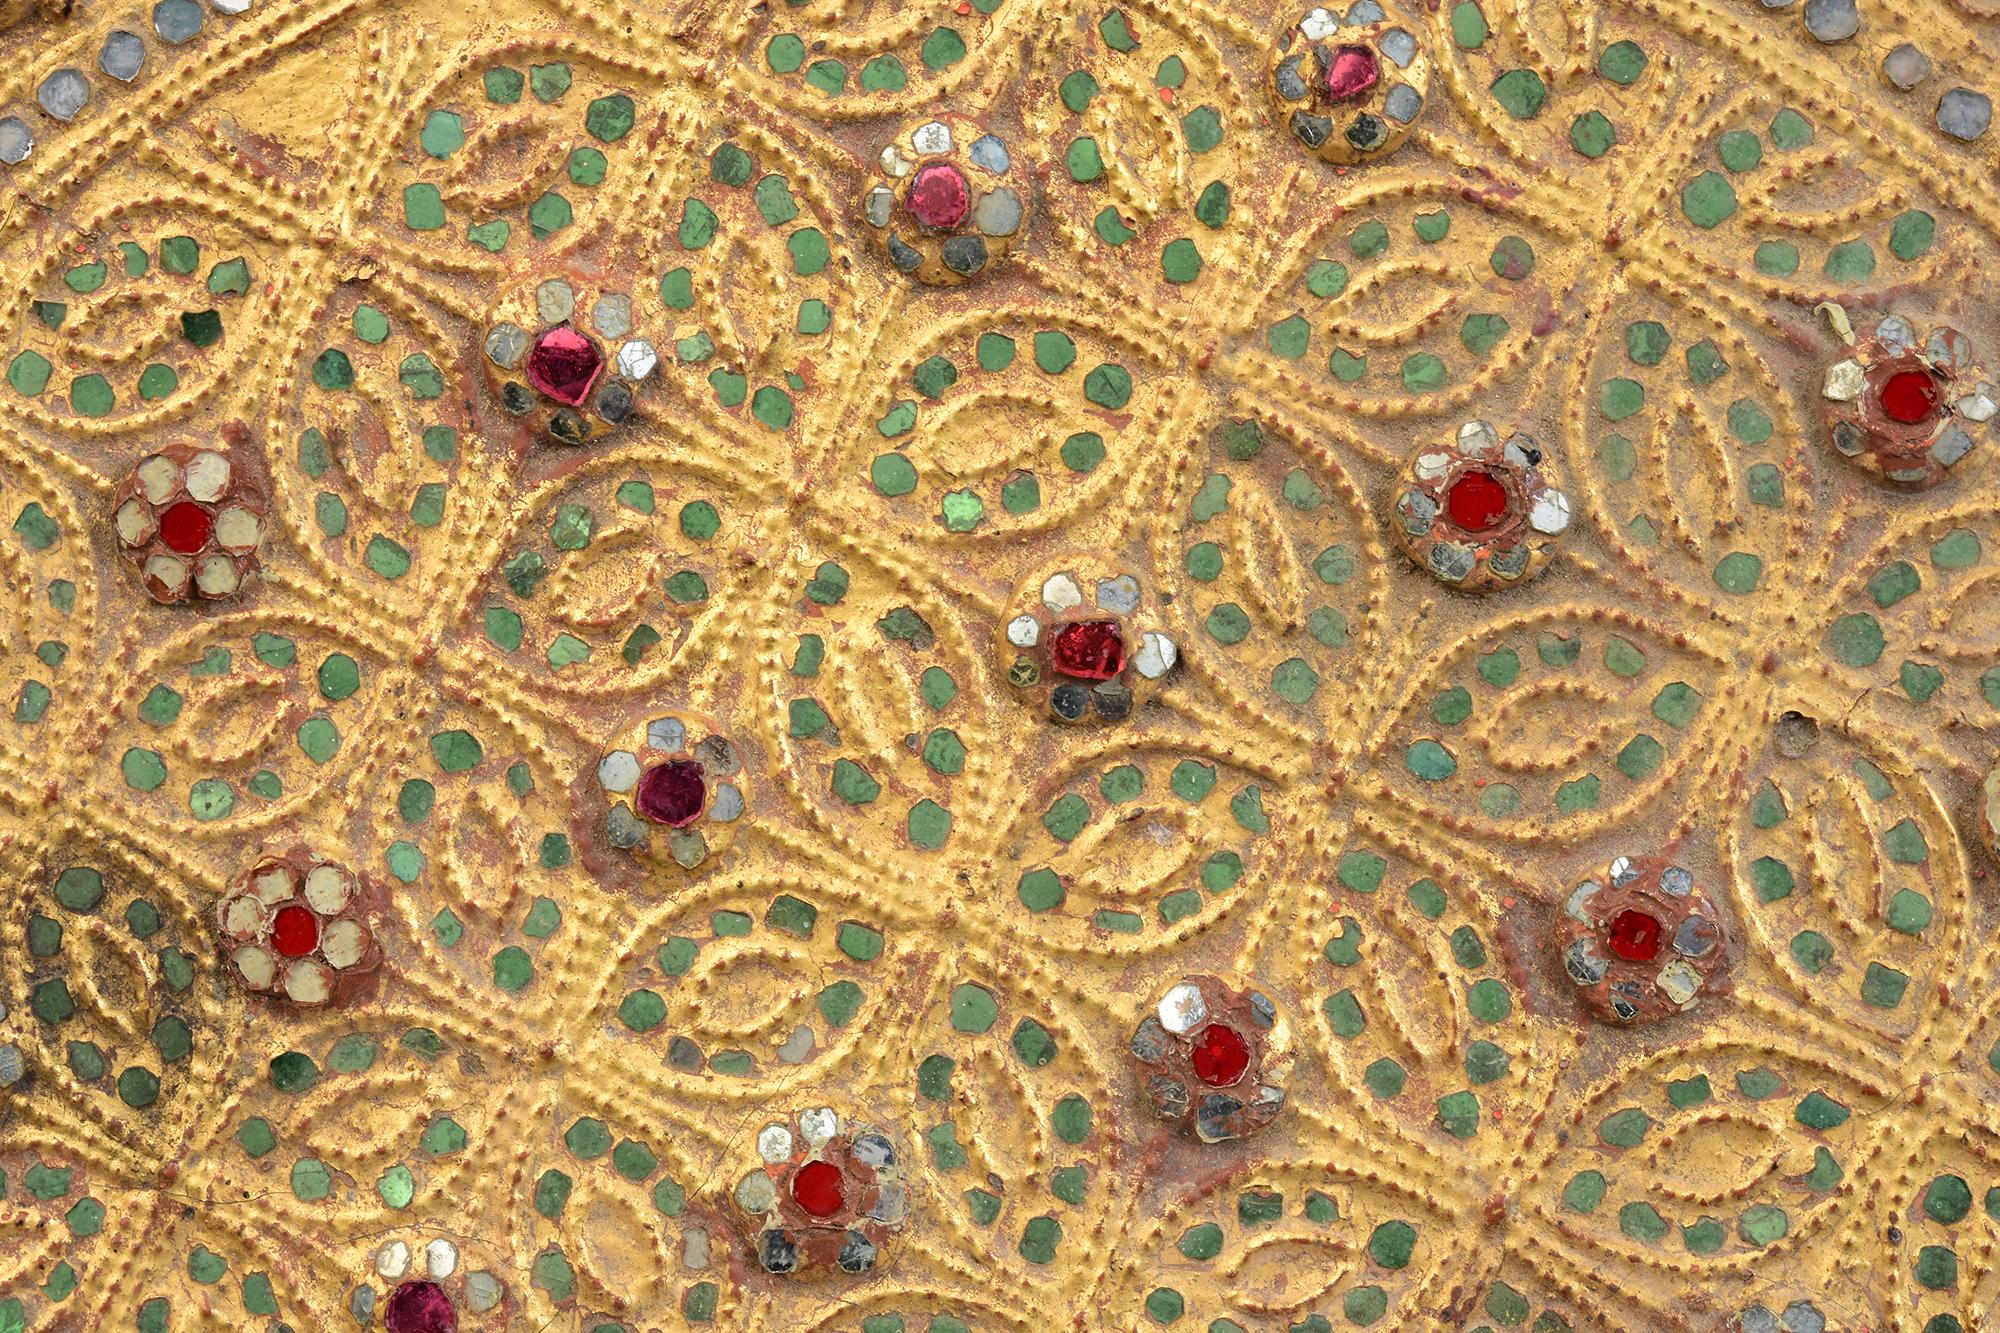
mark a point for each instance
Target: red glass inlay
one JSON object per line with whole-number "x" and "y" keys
{"x": 673, "y": 793}
{"x": 1476, "y": 501}
{"x": 817, "y": 1188}
{"x": 1220, "y": 1055}
{"x": 1909, "y": 396}
{"x": 1635, "y": 936}
{"x": 1089, "y": 650}
{"x": 420, "y": 1307}
{"x": 294, "y": 931}
{"x": 185, "y": 527}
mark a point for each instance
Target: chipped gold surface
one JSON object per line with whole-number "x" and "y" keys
{"x": 291, "y": 136}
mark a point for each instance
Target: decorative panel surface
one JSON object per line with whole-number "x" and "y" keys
{"x": 995, "y": 666}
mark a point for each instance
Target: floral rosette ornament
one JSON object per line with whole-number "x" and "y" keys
{"x": 672, "y": 785}
{"x": 1642, "y": 943}
{"x": 942, "y": 203}
{"x": 419, "y": 1293}
{"x": 294, "y": 927}
{"x": 1088, "y": 649}
{"x": 189, "y": 523}
{"x": 1351, "y": 84}
{"x": 562, "y": 356}
{"x": 1479, "y": 513}
{"x": 827, "y": 1195}
{"x": 1214, "y": 1059}
{"x": 1899, "y": 405}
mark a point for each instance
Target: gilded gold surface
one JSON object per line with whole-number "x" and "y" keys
{"x": 942, "y": 912}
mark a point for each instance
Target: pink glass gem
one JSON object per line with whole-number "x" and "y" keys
{"x": 673, "y": 793}
{"x": 939, "y": 197}
{"x": 1352, "y": 72}
{"x": 420, "y": 1307}
{"x": 564, "y": 365}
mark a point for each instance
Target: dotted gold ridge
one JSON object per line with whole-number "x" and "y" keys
{"x": 942, "y": 914}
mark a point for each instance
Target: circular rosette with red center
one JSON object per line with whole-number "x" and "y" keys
{"x": 295, "y": 927}
{"x": 1350, "y": 84}
{"x": 672, "y": 786}
{"x": 1479, "y": 513}
{"x": 1080, "y": 639}
{"x": 562, "y": 355}
{"x": 1641, "y": 943}
{"x": 827, "y": 1195}
{"x": 1906, "y": 407}
{"x": 189, "y": 523}
{"x": 1214, "y": 1058}
{"x": 945, "y": 201}
{"x": 424, "y": 1289}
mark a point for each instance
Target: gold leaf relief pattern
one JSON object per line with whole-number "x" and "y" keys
{"x": 897, "y": 775}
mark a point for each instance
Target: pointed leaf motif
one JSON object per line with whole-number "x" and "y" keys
{"x": 1288, "y": 1244}
{"x": 1390, "y": 300}
{"x": 1902, "y": 623}
{"x": 55, "y": 1186}
{"x": 1277, "y": 568}
{"x": 172, "y": 1262}
{"x": 50, "y": 629}
{"x": 1153, "y": 142}
{"x": 351, "y": 1115}
{"x": 874, "y": 58}
{"x": 1020, "y": 1149}
{"x": 1768, "y": 192}
{"x": 995, "y": 425}
{"x": 1683, "y": 450}
{"x": 612, "y": 1196}
{"x": 1481, "y": 735}
{"x": 116, "y": 978}
{"x": 617, "y": 1238}
{"x": 942, "y": 1308}
{"x": 475, "y": 810}
{"x": 508, "y": 150}
{"x": 1715, "y": 1155}
{"x": 870, "y": 686}
{"x": 1129, "y": 849}
{"x": 119, "y": 336}
{"x": 758, "y": 282}
{"x": 374, "y": 462}
{"x": 712, "y": 1002}
{"x": 237, "y": 720}
{"x": 297, "y": 236}
{"x": 1537, "y": 1293}
{"x": 1413, "y": 993}
{"x": 617, "y": 572}
{"x": 1851, "y": 880}
{"x": 342, "y": 1121}
{"x": 1582, "y": 99}
{"x": 1942, "y": 1188}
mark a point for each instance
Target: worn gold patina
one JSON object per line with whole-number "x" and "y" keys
{"x": 574, "y": 1063}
